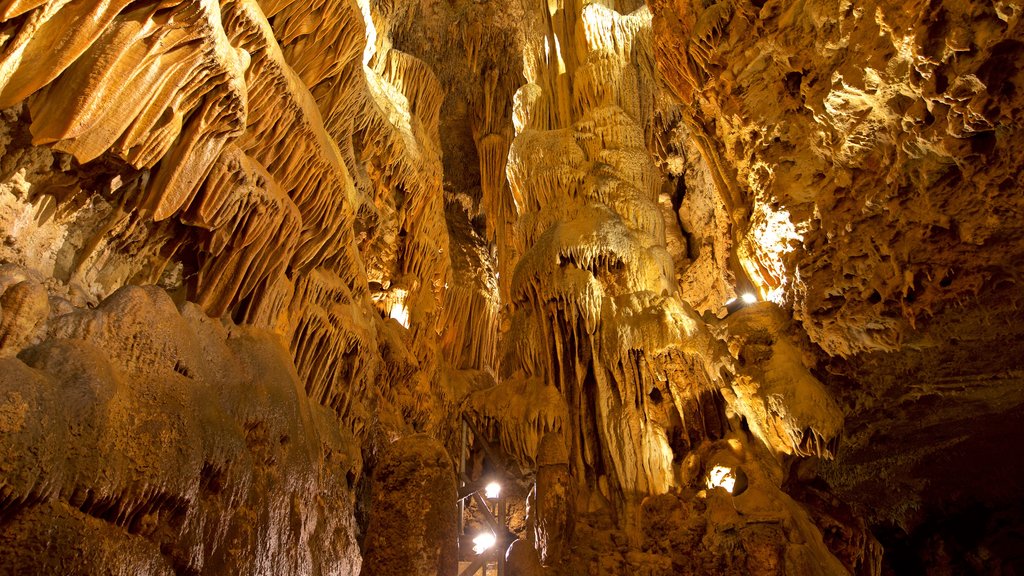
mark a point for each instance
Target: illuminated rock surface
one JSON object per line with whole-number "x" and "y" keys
{"x": 265, "y": 264}
{"x": 414, "y": 527}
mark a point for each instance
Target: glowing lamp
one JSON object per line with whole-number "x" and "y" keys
{"x": 492, "y": 490}
{"x": 483, "y": 542}
{"x": 749, "y": 298}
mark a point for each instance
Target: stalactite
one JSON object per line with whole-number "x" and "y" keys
{"x": 522, "y": 412}
{"x": 471, "y": 317}
{"x": 308, "y": 161}
{"x": 275, "y": 169}
{"x": 595, "y": 305}
{"x": 184, "y": 97}
{"x": 251, "y": 230}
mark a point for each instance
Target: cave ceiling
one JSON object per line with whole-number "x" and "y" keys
{"x": 261, "y": 260}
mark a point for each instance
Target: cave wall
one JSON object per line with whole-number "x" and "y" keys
{"x": 282, "y": 190}
{"x": 171, "y": 447}
{"x": 874, "y": 147}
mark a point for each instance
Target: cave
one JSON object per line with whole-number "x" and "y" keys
{"x": 511, "y": 287}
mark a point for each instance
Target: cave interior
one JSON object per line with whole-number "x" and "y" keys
{"x": 706, "y": 287}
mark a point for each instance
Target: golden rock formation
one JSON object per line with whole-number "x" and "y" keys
{"x": 270, "y": 270}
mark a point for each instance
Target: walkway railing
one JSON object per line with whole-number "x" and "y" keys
{"x": 490, "y": 508}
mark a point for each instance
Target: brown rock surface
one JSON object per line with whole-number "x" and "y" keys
{"x": 413, "y": 521}
{"x": 134, "y": 447}
{"x": 522, "y": 560}
{"x": 25, "y": 308}
{"x": 552, "y": 498}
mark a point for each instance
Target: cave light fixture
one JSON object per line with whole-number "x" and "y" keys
{"x": 722, "y": 477}
{"x": 492, "y": 490}
{"x": 483, "y": 542}
{"x": 745, "y": 299}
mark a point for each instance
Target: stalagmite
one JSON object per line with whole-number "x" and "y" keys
{"x": 522, "y": 560}
{"x": 413, "y": 529}
{"x": 552, "y": 498}
{"x": 25, "y": 307}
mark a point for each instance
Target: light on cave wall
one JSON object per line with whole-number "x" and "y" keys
{"x": 772, "y": 234}
{"x": 398, "y": 309}
{"x": 722, "y": 477}
{"x": 371, "y": 32}
{"x": 401, "y": 313}
{"x": 558, "y": 54}
{"x": 392, "y": 101}
{"x": 492, "y": 490}
{"x": 483, "y": 542}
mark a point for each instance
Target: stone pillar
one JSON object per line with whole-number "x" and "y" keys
{"x": 413, "y": 526}
{"x": 522, "y": 560}
{"x": 551, "y": 524}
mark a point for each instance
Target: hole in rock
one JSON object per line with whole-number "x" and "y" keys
{"x": 655, "y": 395}
{"x": 722, "y": 477}
{"x": 180, "y": 369}
{"x": 941, "y": 81}
{"x": 793, "y": 80}
{"x": 983, "y": 143}
{"x": 211, "y": 478}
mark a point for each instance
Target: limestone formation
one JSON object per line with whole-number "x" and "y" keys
{"x": 551, "y": 498}
{"x": 711, "y": 287}
{"x": 134, "y": 447}
{"x": 26, "y": 306}
{"x": 414, "y": 524}
{"x": 522, "y": 560}
{"x": 781, "y": 402}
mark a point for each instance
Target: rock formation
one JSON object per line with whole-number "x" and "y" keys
{"x": 413, "y": 529}
{"x": 713, "y": 287}
{"x": 134, "y": 446}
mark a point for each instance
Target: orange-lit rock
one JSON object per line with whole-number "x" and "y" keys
{"x": 727, "y": 286}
